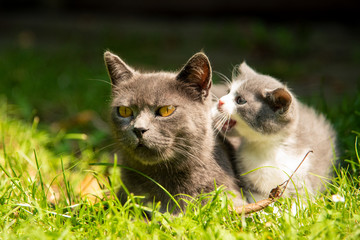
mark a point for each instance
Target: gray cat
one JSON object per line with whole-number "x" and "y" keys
{"x": 276, "y": 132}
{"x": 164, "y": 129}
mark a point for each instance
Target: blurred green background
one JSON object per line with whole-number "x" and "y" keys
{"x": 51, "y": 57}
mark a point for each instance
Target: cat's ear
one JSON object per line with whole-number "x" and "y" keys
{"x": 245, "y": 70}
{"x": 197, "y": 74}
{"x": 279, "y": 100}
{"x": 117, "y": 68}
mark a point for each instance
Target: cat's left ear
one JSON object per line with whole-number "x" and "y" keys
{"x": 197, "y": 74}
{"x": 279, "y": 100}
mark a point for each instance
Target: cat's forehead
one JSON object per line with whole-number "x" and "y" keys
{"x": 151, "y": 89}
{"x": 255, "y": 84}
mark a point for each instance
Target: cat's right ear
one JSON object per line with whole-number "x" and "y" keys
{"x": 117, "y": 68}
{"x": 197, "y": 75}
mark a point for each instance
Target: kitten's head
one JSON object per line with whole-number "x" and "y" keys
{"x": 160, "y": 116}
{"x": 260, "y": 105}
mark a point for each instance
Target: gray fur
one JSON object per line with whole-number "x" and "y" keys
{"x": 276, "y": 132}
{"x": 178, "y": 151}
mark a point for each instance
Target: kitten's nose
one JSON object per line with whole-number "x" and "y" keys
{"x": 220, "y": 104}
{"x": 139, "y": 131}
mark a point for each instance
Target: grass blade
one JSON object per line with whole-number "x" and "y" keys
{"x": 356, "y": 148}
{"x": 140, "y": 173}
{"x": 12, "y": 180}
{"x": 67, "y": 187}
{"x": 40, "y": 176}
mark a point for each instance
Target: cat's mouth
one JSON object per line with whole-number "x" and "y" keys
{"x": 146, "y": 155}
{"x": 228, "y": 125}
{"x": 144, "y": 149}
{"x": 141, "y": 145}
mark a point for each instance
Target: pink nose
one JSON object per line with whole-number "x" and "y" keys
{"x": 220, "y": 103}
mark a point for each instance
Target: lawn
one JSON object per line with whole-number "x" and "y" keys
{"x": 54, "y": 98}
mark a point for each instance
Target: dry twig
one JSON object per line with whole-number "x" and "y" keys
{"x": 274, "y": 195}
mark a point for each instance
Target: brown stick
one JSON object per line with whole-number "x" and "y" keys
{"x": 274, "y": 195}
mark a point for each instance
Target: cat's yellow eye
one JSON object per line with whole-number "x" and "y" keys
{"x": 125, "y": 111}
{"x": 166, "y": 111}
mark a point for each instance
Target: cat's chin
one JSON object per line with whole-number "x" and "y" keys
{"x": 146, "y": 155}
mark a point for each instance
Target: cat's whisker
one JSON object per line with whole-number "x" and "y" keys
{"x": 184, "y": 148}
{"x": 107, "y": 146}
{"x": 102, "y": 80}
{"x": 188, "y": 154}
{"x": 162, "y": 157}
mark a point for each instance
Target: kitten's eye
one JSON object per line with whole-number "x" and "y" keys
{"x": 240, "y": 100}
{"x": 125, "y": 111}
{"x": 166, "y": 111}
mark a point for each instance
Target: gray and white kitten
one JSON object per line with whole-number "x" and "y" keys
{"x": 163, "y": 128}
{"x": 276, "y": 132}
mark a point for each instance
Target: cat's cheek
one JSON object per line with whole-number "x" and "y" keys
{"x": 127, "y": 140}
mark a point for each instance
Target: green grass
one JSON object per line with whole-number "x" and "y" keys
{"x": 54, "y": 95}
{"x": 29, "y": 167}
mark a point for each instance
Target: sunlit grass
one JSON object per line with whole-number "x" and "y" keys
{"x": 40, "y": 199}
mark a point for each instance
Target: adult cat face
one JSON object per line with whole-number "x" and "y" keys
{"x": 259, "y": 104}
{"x": 160, "y": 116}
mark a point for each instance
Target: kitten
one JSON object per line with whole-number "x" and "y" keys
{"x": 276, "y": 132}
{"x": 163, "y": 125}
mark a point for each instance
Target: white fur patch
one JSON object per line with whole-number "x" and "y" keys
{"x": 229, "y": 106}
{"x": 275, "y": 162}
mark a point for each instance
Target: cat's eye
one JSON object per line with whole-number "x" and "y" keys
{"x": 240, "y": 100}
{"x": 166, "y": 111}
{"x": 125, "y": 111}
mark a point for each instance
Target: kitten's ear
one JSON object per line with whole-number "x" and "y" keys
{"x": 279, "y": 100}
{"x": 117, "y": 68}
{"x": 197, "y": 72}
{"x": 245, "y": 70}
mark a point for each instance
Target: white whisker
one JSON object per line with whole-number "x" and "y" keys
{"x": 222, "y": 76}
{"x": 103, "y": 81}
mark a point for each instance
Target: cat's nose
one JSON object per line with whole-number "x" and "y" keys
{"x": 220, "y": 104}
{"x": 139, "y": 131}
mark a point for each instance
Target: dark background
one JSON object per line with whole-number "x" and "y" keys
{"x": 51, "y": 63}
{"x": 276, "y": 9}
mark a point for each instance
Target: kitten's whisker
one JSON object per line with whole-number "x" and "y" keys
{"x": 228, "y": 119}
{"x": 222, "y": 76}
{"x": 221, "y": 121}
{"x": 218, "y": 117}
{"x": 214, "y": 97}
{"x": 219, "y": 126}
